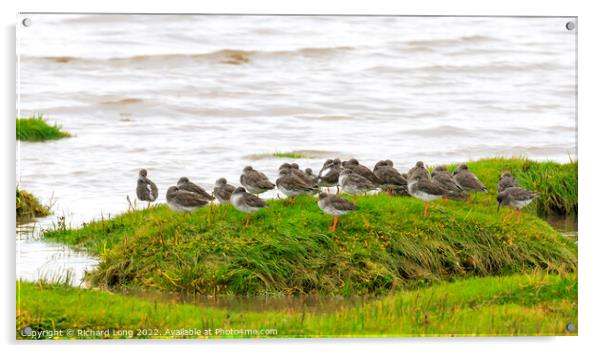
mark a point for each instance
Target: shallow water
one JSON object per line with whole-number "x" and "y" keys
{"x": 203, "y": 96}
{"x": 239, "y": 303}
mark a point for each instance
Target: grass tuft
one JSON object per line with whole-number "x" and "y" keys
{"x": 293, "y": 155}
{"x": 36, "y": 129}
{"x": 29, "y": 207}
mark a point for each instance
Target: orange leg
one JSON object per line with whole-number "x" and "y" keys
{"x": 444, "y": 200}
{"x": 390, "y": 192}
{"x": 337, "y": 189}
{"x": 292, "y": 200}
{"x": 333, "y": 227}
{"x": 426, "y": 209}
{"x": 248, "y": 219}
{"x": 354, "y": 199}
{"x": 520, "y": 215}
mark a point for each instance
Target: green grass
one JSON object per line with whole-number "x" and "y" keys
{"x": 556, "y": 182}
{"x": 287, "y": 249}
{"x": 37, "y": 129}
{"x": 29, "y": 207}
{"x": 526, "y": 304}
{"x": 293, "y": 155}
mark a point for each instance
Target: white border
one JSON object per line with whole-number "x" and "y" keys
{"x": 590, "y": 27}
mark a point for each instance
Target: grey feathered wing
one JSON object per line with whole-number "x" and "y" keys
{"x": 253, "y": 201}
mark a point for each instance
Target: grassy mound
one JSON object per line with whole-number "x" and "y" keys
{"x": 287, "y": 249}
{"x": 529, "y": 304}
{"x": 28, "y": 206}
{"x": 556, "y": 183}
{"x": 37, "y": 129}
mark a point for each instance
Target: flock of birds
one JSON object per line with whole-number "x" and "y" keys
{"x": 350, "y": 176}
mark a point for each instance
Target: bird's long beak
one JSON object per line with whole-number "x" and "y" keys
{"x": 498, "y": 207}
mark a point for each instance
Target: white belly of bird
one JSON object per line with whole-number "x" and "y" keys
{"x": 520, "y": 204}
{"x": 237, "y": 202}
{"x": 288, "y": 192}
{"x": 421, "y": 195}
{"x": 180, "y": 209}
{"x": 424, "y": 196}
{"x": 349, "y": 188}
{"x": 252, "y": 189}
{"x": 330, "y": 210}
{"x": 221, "y": 200}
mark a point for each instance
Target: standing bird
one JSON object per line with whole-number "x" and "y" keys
{"x": 246, "y": 202}
{"x": 222, "y": 190}
{"x": 362, "y": 170}
{"x": 185, "y": 184}
{"x": 418, "y": 169}
{"x": 353, "y": 184}
{"x": 292, "y": 185}
{"x": 146, "y": 190}
{"x": 390, "y": 178}
{"x": 506, "y": 181}
{"x": 254, "y": 181}
{"x": 516, "y": 198}
{"x": 467, "y": 180}
{"x": 184, "y": 201}
{"x": 335, "y": 206}
{"x": 424, "y": 189}
{"x": 329, "y": 174}
{"x": 451, "y": 189}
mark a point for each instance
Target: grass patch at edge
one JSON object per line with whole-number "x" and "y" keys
{"x": 36, "y": 129}
{"x": 28, "y": 206}
{"x": 525, "y": 304}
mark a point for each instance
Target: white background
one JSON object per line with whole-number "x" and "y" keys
{"x": 590, "y": 185}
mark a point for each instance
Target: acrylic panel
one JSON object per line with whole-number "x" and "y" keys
{"x": 385, "y": 176}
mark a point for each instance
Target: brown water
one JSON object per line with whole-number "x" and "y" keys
{"x": 568, "y": 226}
{"x": 309, "y": 303}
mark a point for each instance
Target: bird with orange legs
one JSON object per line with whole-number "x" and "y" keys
{"x": 451, "y": 189}
{"x": 353, "y": 184}
{"x": 515, "y": 198}
{"x": 246, "y": 202}
{"x": 292, "y": 185}
{"x": 424, "y": 189}
{"x": 467, "y": 180}
{"x": 390, "y": 178}
{"x": 335, "y": 206}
